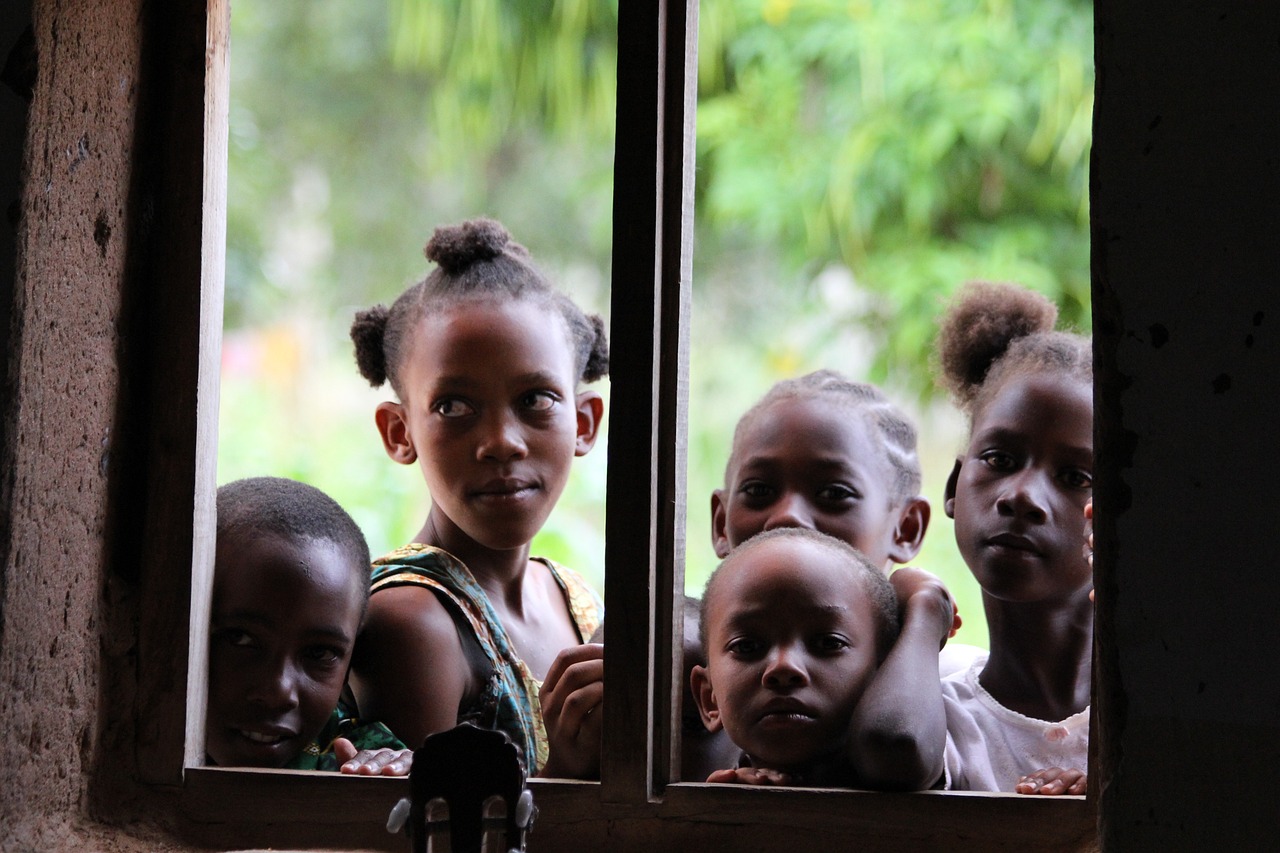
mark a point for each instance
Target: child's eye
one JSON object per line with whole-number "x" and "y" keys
{"x": 755, "y": 490}
{"x": 837, "y": 492}
{"x": 324, "y": 655}
{"x": 539, "y": 401}
{"x": 831, "y": 643}
{"x": 236, "y": 637}
{"x": 745, "y": 647}
{"x": 998, "y": 460}
{"x": 451, "y": 407}
{"x": 1078, "y": 478}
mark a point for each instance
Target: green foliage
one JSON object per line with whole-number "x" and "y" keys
{"x": 919, "y": 144}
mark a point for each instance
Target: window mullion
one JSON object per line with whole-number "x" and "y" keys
{"x": 649, "y": 307}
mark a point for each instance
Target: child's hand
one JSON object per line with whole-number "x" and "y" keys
{"x": 750, "y": 776}
{"x": 918, "y": 588}
{"x": 571, "y": 698}
{"x": 1088, "y": 532}
{"x": 1053, "y": 781}
{"x": 372, "y": 762}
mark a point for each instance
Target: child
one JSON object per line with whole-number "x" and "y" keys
{"x": 795, "y": 626}
{"x": 829, "y": 454}
{"x": 825, "y": 453}
{"x": 290, "y": 589}
{"x": 485, "y": 359}
{"x": 1017, "y": 494}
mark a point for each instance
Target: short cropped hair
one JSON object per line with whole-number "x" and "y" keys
{"x": 884, "y": 604}
{"x": 295, "y": 512}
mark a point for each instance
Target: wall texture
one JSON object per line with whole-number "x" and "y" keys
{"x": 68, "y": 646}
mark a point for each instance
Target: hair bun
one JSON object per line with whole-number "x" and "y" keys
{"x": 979, "y": 327}
{"x": 456, "y": 247}
{"x": 368, "y": 331}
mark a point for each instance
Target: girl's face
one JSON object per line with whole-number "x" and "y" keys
{"x": 1018, "y": 493}
{"x": 284, "y": 621}
{"x": 791, "y": 646}
{"x": 808, "y": 463}
{"x": 492, "y": 416}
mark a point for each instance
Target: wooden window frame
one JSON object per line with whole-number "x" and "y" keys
{"x": 636, "y": 805}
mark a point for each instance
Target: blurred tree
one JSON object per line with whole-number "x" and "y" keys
{"x": 919, "y": 144}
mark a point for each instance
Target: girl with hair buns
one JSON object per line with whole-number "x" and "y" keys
{"x": 485, "y": 359}
{"x": 1018, "y": 719}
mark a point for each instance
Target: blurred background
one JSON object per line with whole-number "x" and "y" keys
{"x": 857, "y": 161}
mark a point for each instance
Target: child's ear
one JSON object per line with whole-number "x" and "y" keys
{"x": 706, "y": 698}
{"x": 394, "y": 429}
{"x": 949, "y": 494}
{"x": 590, "y": 412}
{"x": 719, "y": 524}
{"x": 908, "y": 536}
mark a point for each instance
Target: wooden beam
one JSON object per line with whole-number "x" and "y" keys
{"x": 644, "y": 548}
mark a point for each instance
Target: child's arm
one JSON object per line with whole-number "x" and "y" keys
{"x": 1053, "y": 781}
{"x": 372, "y": 762}
{"x": 409, "y": 670}
{"x": 572, "y": 697}
{"x": 899, "y": 727}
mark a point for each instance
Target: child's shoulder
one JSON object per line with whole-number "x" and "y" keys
{"x": 585, "y": 605}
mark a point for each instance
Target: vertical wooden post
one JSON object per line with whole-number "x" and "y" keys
{"x": 173, "y": 314}
{"x": 644, "y": 530}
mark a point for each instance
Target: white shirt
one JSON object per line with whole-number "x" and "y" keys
{"x": 990, "y": 747}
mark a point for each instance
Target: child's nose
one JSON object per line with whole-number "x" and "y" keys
{"x": 785, "y": 668}
{"x": 1024, "y": 496}
{"x": 502, "y": 438}
{"x": 277, "y": 688}
{"x": 791, "y": 510}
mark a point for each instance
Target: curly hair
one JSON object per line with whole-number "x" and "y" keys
{"x": 992, "y": 332}
{"x": 895, "y": 429}
{"x": 474, "y": 260}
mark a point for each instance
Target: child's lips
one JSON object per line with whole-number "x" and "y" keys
{"x": 266, "y": 735}
{"x": 505, "y": 489}
{"x": 1015, "y": 542}
{"x": 786, "y": 710}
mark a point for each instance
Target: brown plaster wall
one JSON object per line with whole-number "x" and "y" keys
{"x": 67, "y": 642}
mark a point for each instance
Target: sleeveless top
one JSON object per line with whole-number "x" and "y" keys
{"x": 508, "y": 700}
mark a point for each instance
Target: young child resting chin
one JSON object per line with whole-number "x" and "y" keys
{"x": 290, "y": 589}
{"x": 799, "y": 632}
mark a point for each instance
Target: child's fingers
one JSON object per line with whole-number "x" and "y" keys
{"x": 750, "y": 776}
{"x": 581, "y": 704}
{"x": 375, "y": 762}
{"x": 344, "y": 750}
{"x": 579, "y": 675}
{"x": 574, "y": 678}
{"x": 1053, "y": 781}
{"x": 567, "y": 658}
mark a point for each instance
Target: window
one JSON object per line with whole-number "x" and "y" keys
{"x": 633, "y": 805}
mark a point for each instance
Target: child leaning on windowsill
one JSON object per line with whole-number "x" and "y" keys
{"x": 290, "y": 589}
{"x": 805, "y": 672}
